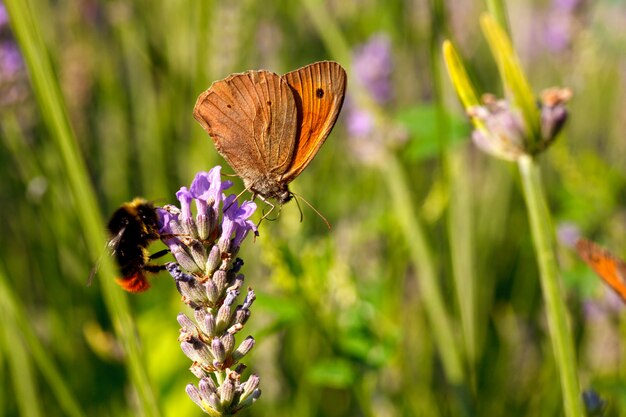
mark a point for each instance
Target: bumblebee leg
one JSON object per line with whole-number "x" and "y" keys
{"x": 159, "y": 254}
{"x": 154, "y": 268}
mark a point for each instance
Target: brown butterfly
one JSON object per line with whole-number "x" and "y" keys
{"x": 609, "y": 267}
{"x": 270, "y": 127}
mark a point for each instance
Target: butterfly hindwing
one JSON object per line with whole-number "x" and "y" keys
{"x": 319, "y": 91}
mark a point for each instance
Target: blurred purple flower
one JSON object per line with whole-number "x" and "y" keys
{"x": 11, "y": 63}
{"x": 560, "y": 24}
{"x": 13, "y": 87}
{"x": 372, "y": 66}
{"x": 567, "y": 234}
{"x": 4, "y": 16}
{"x": 360, "y": 122}
{"x": 566, "y": 5}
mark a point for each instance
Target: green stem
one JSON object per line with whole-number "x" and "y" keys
{"x": 16, "y": 354}
{"x": 498, "y": 10}
{"x": 541, "y": 228}
{"x": 53, "y": 111}
{"x": 16, "y": 320}
{"x": 440, "y": 322}
{"x": 459, "y": 218}
{"x": 328, "y": 30}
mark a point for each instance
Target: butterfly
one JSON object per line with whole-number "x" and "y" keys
{"x": 269, "y": 127}
{"x": 609, "y": 267}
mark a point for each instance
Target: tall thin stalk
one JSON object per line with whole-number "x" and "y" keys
{"x": 53, "y": 111}
{"x": 542, "y": 234}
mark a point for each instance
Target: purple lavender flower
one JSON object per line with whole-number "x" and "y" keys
{"x": 561, "y": 23}
{"x": 4, "y": 16}
{"x": 207, "y": 276}
{"x": 502, "y": 130}
{"x": 13, "y": 87}
{"x": 373, "y": 66}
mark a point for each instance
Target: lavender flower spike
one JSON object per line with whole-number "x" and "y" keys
{"x": 208, "y": 276}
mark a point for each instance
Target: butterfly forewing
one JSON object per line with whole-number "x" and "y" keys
{"x": 248, "y": 116}
{"x": 319, "y": 90}
{"x": 610, "y": 268}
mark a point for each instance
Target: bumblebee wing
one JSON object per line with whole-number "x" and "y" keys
{"x": 111, "y": 247}
{"x": 114, "y": 242}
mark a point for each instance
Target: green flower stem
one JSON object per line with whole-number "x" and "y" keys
{"x": 328, "y": 30}
{"x": 15, "y": 353}
{"x": 541, "y": 228}
{"x": 459, "y": 218}
{"x": 498, "y": 10}
{"x": 15, "y": 320}
{"x": 440, "y": 322}
{"x": 51, "y": 103}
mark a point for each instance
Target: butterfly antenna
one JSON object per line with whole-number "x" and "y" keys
{"x": 299, "y": 208}
{"x": 312, "y": 208}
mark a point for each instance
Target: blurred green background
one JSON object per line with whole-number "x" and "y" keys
{"x": 340, "y": 320}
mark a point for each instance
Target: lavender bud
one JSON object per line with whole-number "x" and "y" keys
{"x": 235, "y": 328}
{"x": 193, "y": 292}
{"x": 207, "y": 387}
{"x": 227, "y": 392}
{"x": 198, "y": 253}
{"x": 213, "y": 260}
{"x": 220, "y": 278}
{"x": 553, "y": 113}
{"x": 250, "y": 297}
{"x": 184, "y": 259}
{"x": 209, "y": 323}
{"x": 186, "y": 323}
{"x": 194, "y": 394}
{"x": 197, "y": 370}
{"x": 223, "y": 317}
{"x": 177, "y": 274}
{"x": 228, "y": 340}
{"x": 241, "y": 316}
{"x": 189, "y": 351}
{"x": 243, "y": 349}
{"x": 203, "y": 226}
{"x": 218, "y": 350}
{"x": 231, "y": 295}
{"x": 213, "y": 293}
{"x": 214, "y": 402}
{"x": 250, "y": 386}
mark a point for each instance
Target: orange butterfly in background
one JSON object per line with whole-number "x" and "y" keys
{"x": 609, "y": 267}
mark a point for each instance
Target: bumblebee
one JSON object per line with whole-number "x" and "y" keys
{"x": 133, "y": 227}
